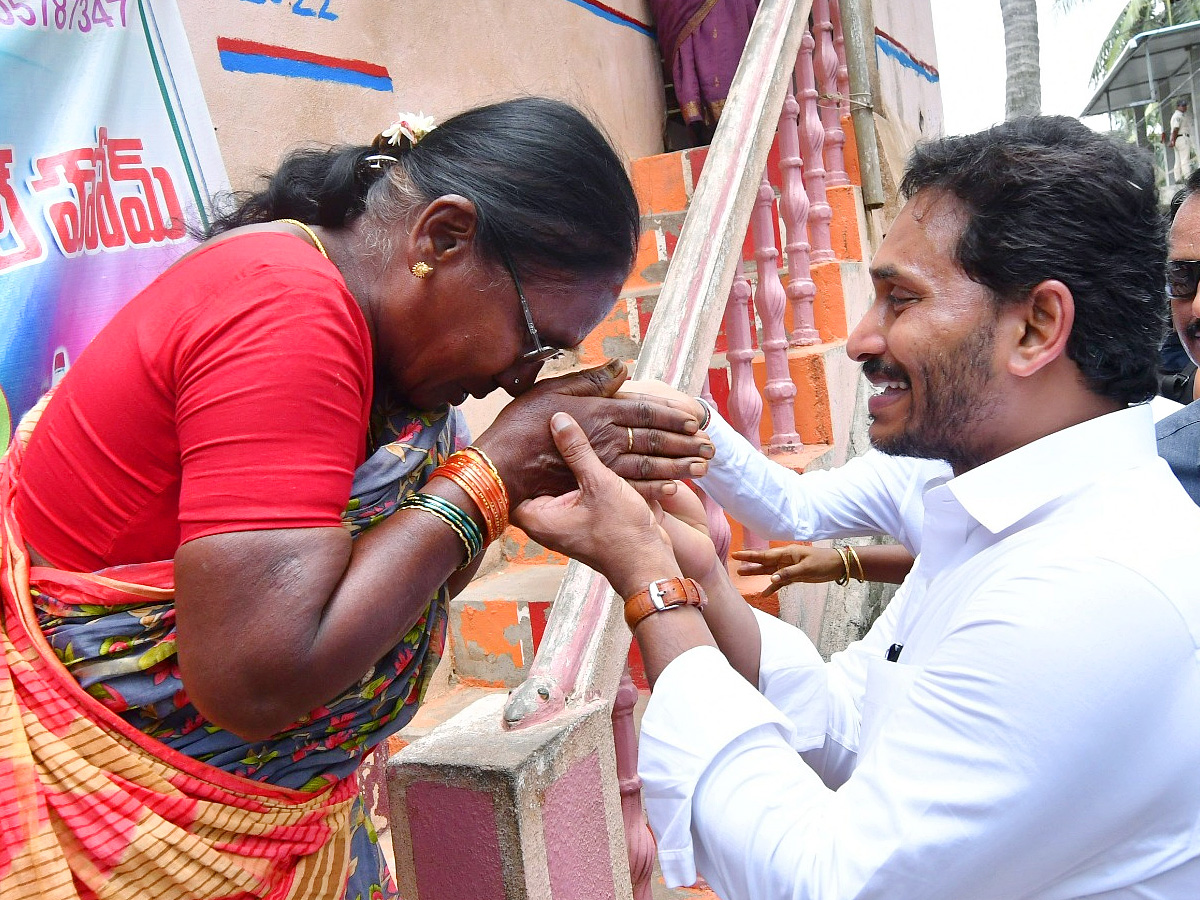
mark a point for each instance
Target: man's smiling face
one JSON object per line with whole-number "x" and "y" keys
{"x": 926, "y": 344}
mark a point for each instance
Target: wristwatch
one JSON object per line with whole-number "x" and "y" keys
{"x": 663, "y": 594}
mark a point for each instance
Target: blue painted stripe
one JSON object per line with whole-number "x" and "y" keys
{"x": 605, "y": 14}
{"x": 890, "y": 49}
{"x": 257, "y": 64}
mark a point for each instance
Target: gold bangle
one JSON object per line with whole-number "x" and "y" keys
{"x": 845, "y": 579}
{"x": 862, "y": 575}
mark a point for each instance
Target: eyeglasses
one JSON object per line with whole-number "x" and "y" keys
{"x": 540, "y": 352}
{"x": 1183, "y": 275}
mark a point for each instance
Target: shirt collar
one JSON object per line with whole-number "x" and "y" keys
{"x": 1005, "y": 490}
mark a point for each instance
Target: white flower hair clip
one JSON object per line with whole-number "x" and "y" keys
{"x": 413, "y": 126}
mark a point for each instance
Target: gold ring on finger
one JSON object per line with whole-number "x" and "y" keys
{"x": 630, "y": 430}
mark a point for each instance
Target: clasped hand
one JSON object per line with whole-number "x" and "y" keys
{"x": 605, "y": 524}
{"x": 648, "y": 442}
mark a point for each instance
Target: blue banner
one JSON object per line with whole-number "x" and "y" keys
{"x": 107, "y": 160}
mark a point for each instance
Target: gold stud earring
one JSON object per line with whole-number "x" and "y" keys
{"x": 421, "y": 269}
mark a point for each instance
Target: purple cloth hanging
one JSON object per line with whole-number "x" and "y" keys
{"x": 702, "y": 41}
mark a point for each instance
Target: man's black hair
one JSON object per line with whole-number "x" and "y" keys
{"x": 1048, "y": 198}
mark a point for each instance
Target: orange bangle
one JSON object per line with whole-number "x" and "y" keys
{"x": 480, "y": 483}
{"x": 477, "y": 488}
{"x": 475, "y": 451}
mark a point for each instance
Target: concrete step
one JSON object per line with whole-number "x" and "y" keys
{"x": 437, "y": 710}
{"x": 496, "y": 621}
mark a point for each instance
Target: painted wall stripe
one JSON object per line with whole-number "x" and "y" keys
{"x": 250, "y": 56}
{"x": 897, "y": 51}
{"x": 604, "y": 11}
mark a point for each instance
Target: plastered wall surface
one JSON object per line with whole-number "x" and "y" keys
{"x": 906, "y": 57}
{"x": 275, "y": 73}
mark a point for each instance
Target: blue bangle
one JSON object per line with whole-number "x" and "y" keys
{"x": 459, "y": 522}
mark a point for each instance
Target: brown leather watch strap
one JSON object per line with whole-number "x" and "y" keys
{"x": 664, "y": 594}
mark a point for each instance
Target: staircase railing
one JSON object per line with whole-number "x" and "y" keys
{"x": 583, "y": 651}
{"x": 790, "y": 83}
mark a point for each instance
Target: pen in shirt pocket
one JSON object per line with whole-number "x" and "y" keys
{"x": 893, "y": 652}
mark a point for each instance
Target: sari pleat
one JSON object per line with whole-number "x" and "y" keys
{"x": 701, "y": 42}
{"x": 112, "y": 784}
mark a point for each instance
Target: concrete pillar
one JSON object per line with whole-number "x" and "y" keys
{"x": 1139, "y": 127}
{"x": 1193, "y": 88}
{"x": 1166, "y": 106}
{"x": 489, "y": 814}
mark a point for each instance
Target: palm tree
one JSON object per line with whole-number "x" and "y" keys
{"x": 1023, "y": 87}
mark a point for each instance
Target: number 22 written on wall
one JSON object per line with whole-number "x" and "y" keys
{"x": 303, "y": 8}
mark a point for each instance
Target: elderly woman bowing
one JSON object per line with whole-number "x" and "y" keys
{"x": 231, "y": 532}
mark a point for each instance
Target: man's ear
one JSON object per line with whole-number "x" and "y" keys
{"x": 444, "y": 228}
{"x": 1042, "y": 324}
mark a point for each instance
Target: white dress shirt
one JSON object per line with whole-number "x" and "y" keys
{"x": 870, "y": 494}
{"x": 1039, "y": 736}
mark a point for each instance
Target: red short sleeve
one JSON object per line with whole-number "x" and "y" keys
{"x": 232, "y": 394}
{"x": 270, "y": 408}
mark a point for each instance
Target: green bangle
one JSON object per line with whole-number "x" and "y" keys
{"x": 459, "y": 522}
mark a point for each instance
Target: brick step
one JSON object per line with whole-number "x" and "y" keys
{"x": 498, "y": 620}
{"x": 660, "y": 891}
{"x": 664, "y": 185}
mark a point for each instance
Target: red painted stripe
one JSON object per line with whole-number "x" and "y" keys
{"x": 237, "y": 45}
{"x": 920, "y": 62}
{"x": 620, "y": 15}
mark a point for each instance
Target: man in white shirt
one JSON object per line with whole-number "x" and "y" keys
{"x": 1022, "y": 721}
{"x": 1181, "y": 141}
{"x": 872, "y": 494}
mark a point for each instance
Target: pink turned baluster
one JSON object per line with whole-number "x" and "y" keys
{"x": 769, "y": 301}
{"x": 839, "y": 45}
{"x": 825, "y": 65}
{"x": 745, "y": 405}
{"x": 793, "y": 205}
{"x": 638, "y": 839}
{"x": 812, "y": 143}
{"x": 718, "y": 525}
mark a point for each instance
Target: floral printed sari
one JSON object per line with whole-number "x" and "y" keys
{"x": 108, "y": 640}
